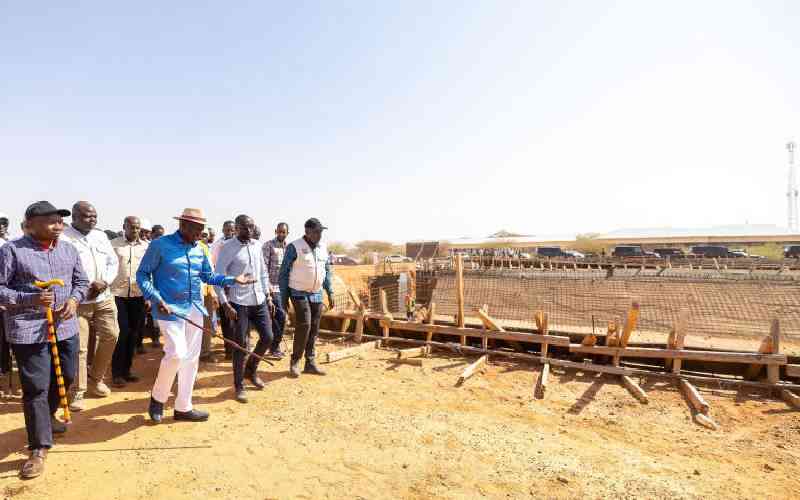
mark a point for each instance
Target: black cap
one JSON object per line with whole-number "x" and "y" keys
{"x": 314, "y": 223}
{"x": 45, "y": 208}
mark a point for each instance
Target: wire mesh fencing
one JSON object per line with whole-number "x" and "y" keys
{"x": 724, "y": 308}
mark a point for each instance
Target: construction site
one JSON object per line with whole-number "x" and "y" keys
{"x": 449, "y": 382}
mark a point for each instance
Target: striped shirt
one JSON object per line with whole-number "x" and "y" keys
{"x": 22, "y": 262}
{"x": 274, "y": 251}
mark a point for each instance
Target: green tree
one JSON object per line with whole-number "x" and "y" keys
{"x": 338, "y": 247}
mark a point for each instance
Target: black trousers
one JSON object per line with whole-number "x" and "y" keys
{"x": 150, "y": 328}
{"x": 278, "y": 321}
{"x": 131, "y": 318}
{"x": 258, "y": 316}
{"x": 306, "y": 330}
{"x": 39, "y": 389}
{"x": 227, "y": 329}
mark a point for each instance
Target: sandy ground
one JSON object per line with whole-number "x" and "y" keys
{"x": 376, "y": 428}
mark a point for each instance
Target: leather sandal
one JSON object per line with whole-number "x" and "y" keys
{"x": 34, "y": 465}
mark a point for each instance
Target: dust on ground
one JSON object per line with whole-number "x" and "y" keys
{"x": 380, "y": 428}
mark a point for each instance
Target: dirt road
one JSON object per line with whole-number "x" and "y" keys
{"x": 375, "y": 428}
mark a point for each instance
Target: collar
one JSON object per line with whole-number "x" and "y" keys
{"x": 278, "y": 243}
{"x": 179, "y": 239}
{"x": 39, "y": 245}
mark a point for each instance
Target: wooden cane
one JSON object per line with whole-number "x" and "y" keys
{"x": 227, "y": 341}
{"x": 51, "y": 337}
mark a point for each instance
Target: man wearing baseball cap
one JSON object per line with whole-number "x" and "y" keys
{"x": 41, "y": 256}
{"x": 170, "y": 277}
{"x": 305, "y": 272}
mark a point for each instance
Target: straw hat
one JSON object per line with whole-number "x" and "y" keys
{"x": 195, "y": 215}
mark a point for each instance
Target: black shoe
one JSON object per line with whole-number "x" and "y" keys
{"x": 57, "y": 425}
{"x": 277, "y": 354}
{"x": 294, "y": 369}
{"x": 252, "y": 376}
{"x": 241, "y": 395}
{"x": 191, "y": 415}
{"x": 312, "y": 369}
{"x": 132, "y": 377}
{"x": 156, "y": 410}
{"x": 118, "y": 382}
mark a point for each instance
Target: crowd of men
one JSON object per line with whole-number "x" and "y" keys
{"x": 120, "y": 287}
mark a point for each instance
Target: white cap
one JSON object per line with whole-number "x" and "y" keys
{"x": 4, "y": 216}
{"x": 145, "y": 224}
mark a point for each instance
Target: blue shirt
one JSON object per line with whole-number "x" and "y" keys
{"x": 283, "y": 279}
{"x": 174, "y": 271}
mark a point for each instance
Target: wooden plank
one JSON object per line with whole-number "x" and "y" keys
{"x": 636, "y": 391}
{"x": 694, "y": 397}
{"x": 754, "y": 370}
{"x": 413, "y": 352}
{"x": 716, "y": 381}
{"x": 352, "y": 351}
{"x": 680, "y": 337}
{"x": 774, "y": 371}
{"x": 473, "y": 368}
{"x": 791, "y": 398}
{"x": 430, "y": 320}
{"x": 473, "y": 332}
{"x": 460, "y": 294}
{"x": 793, "y": 370}
{"x": 650, "y": 352}
{"x": 541, "y": 382}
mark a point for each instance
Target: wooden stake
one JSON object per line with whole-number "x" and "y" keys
{"x": 352, "y": 351}
{"x": 630, "y": 324}
{"x": 385, "y": 305}
{"x": 766, "y": 347}
{"x": 774, "y": 371}
{"x": 705, "y": 421}
{"x": 473, "y": 368}
{"x": 431, "y": 320}
{"x": 354, "y": 298}
{"x": 345, "y": 325}
{"x": 413, "y": 352}
{"x": 634, "y": 389}
{"x": 541, "y": 383}
{"x": 460, "y": 295}
{"x": 694, "y": 397}
{"x": 791, "y": 398}
{"x": 679, "y": 339}
{"x": 362, "y": 313}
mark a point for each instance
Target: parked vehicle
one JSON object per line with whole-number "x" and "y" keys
{"x": 574, "y": 254}
{"x": 669, "y": 252}
{"x": 628, "y": 251}
{"x": 343, "y": 260}
{"x": 396, "y": 259}
{"x": 792, "y": 252}
{"x": 550, "y": 252}
{"x": 710, "y": 251}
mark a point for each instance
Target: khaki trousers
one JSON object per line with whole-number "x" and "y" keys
{"x": 97, "y": 321}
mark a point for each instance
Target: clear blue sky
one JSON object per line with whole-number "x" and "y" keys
{"x": 403, "y": 120}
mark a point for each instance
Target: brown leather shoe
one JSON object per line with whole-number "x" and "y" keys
{"x": 34, "y": 465}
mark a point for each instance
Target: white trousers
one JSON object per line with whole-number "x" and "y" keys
{"x": 181, "y": 357}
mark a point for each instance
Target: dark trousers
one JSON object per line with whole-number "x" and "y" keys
{"x": 5, "y": 347}
{"x": 39, "y": 389}
{"x": 149, "y": 328}
{"x": 258, "y": 316}
{"x": 306, "y": 329}
{"x": 278, "y": 321}
{"x": 130, "y": 316}
{"x": 227, "y": 329}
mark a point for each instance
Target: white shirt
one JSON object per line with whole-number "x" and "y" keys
{"x": 216, "y": 247}
{"x": 237, "y": 258}
{"x": 97, "y": 256}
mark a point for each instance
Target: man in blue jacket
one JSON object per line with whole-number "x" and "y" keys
{"x": 170, "y": 277}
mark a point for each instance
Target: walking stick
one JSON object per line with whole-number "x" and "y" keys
{"x": 51, "y": 337}
{"x": 227, "y": 341}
